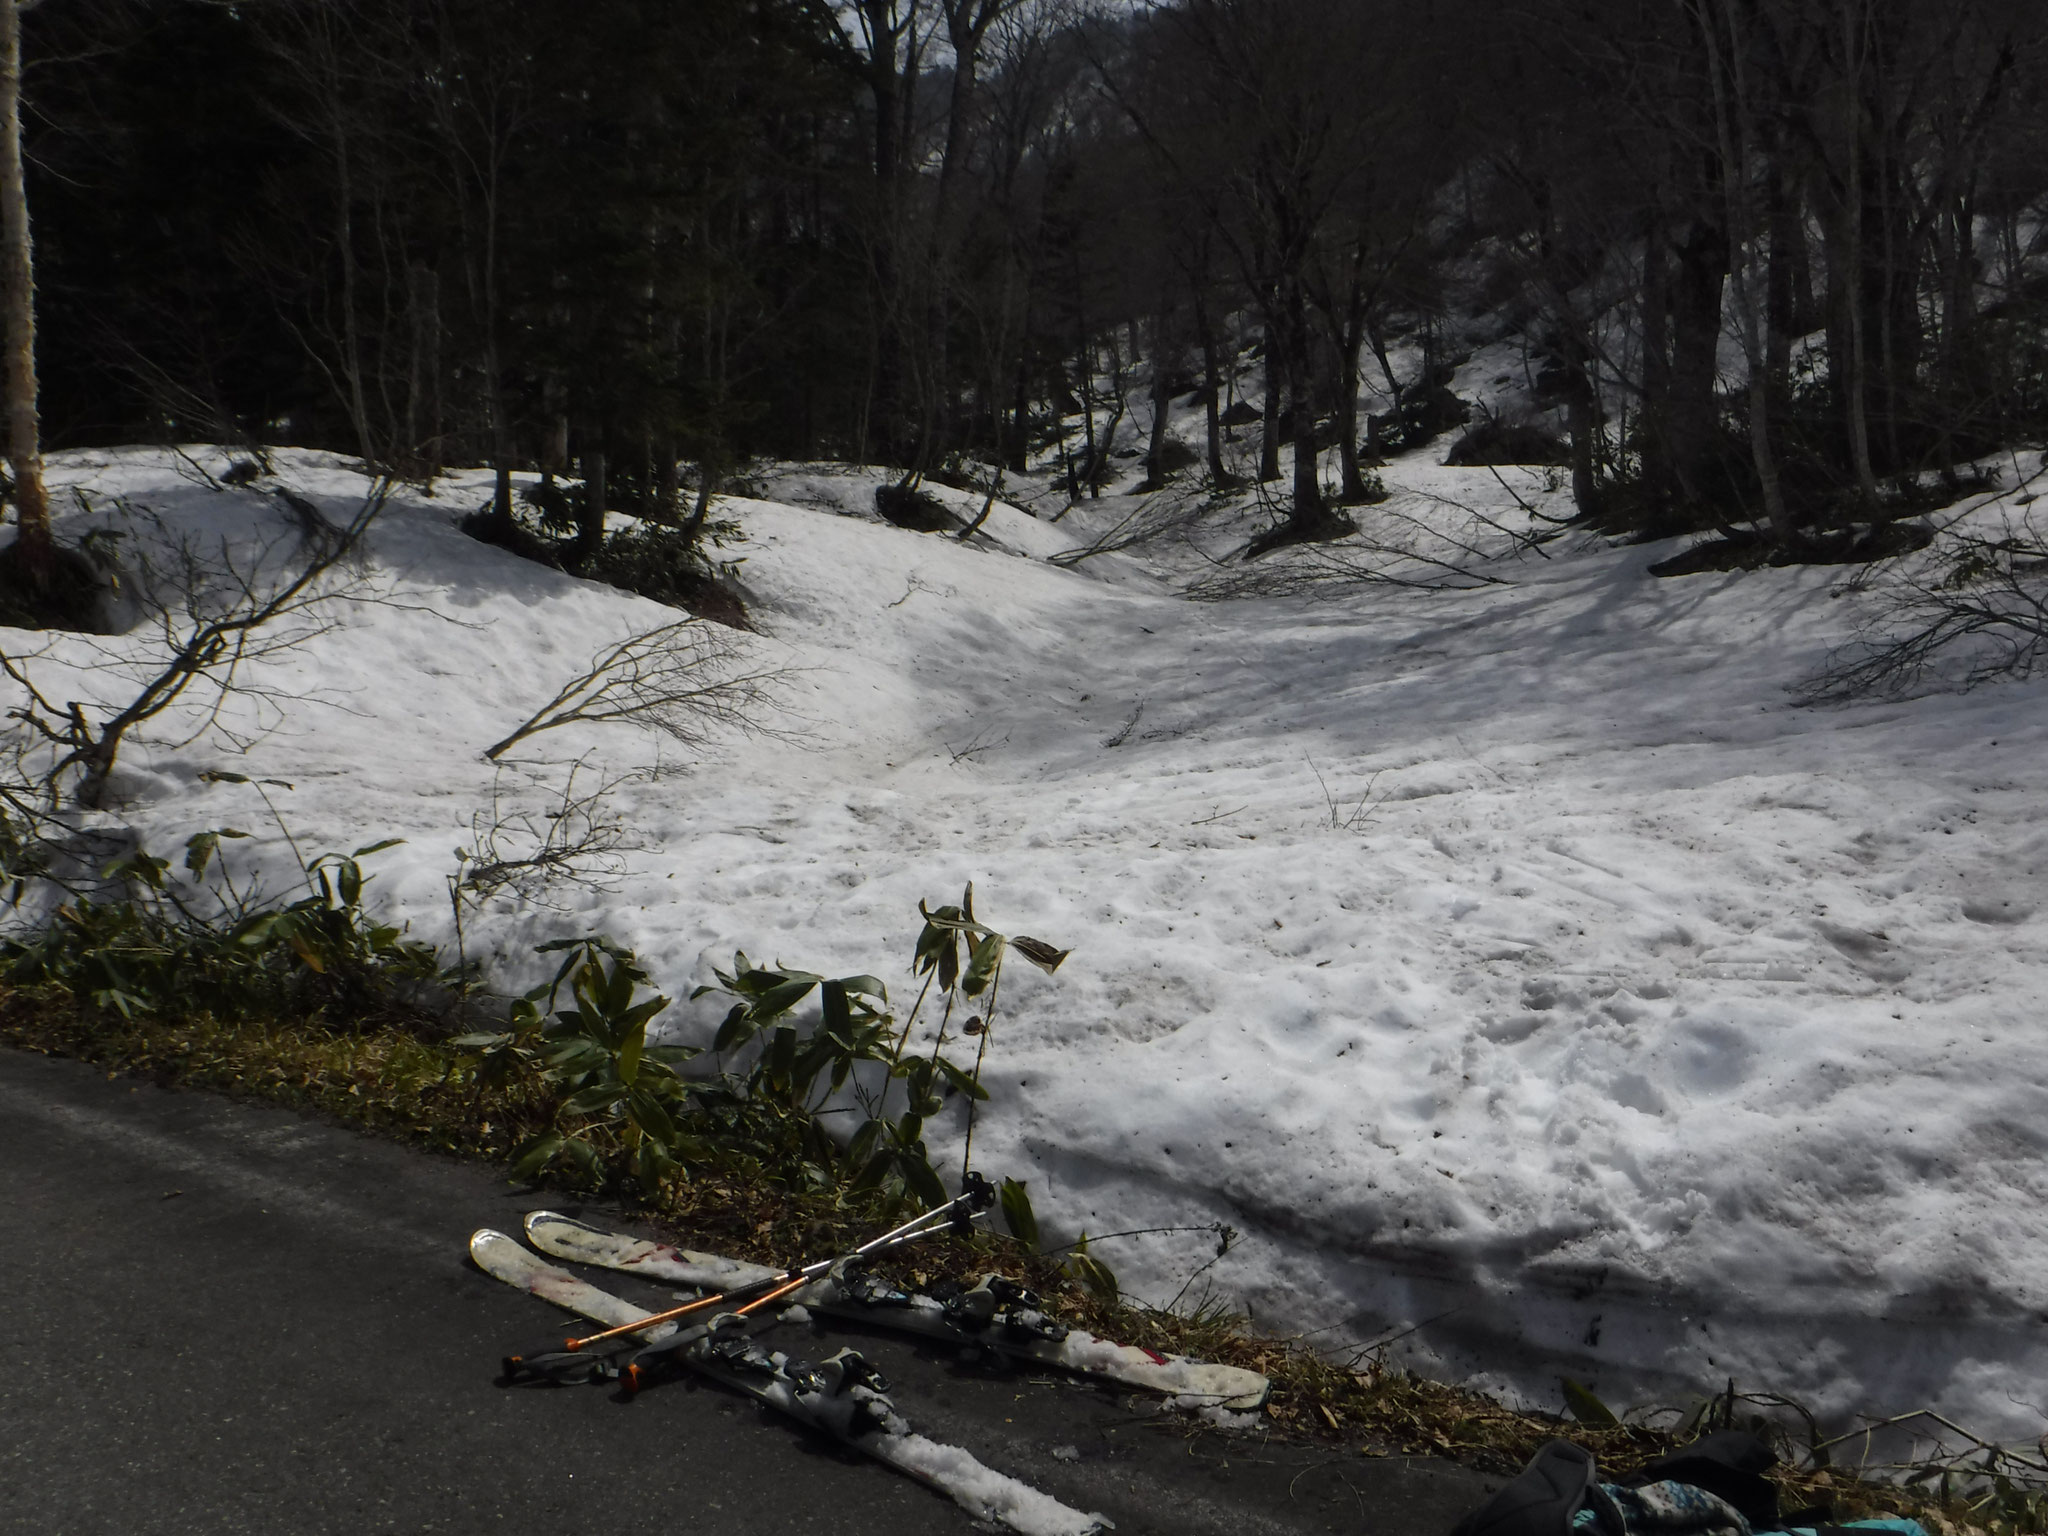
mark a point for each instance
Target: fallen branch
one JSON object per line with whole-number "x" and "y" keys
{"x": 680, "y": 679}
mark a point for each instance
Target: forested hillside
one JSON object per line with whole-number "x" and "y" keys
{"x": 1763, "y": 262}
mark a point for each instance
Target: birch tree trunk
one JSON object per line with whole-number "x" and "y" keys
{"x": 24, "y": 453}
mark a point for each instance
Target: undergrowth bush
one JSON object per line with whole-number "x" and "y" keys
{"x": 626, "y": 1113}
{"x": 669, "y": 566}
{"x": 616, "y": 1109}
{"x": 145, "y": 946}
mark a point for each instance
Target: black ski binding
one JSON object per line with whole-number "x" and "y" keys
{"x": 729, "y": 1345}
{"x": 867, "y": 1289}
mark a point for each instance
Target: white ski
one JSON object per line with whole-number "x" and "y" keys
{"x": 842, "y": 1397}
{"x": 1022, "y": 1333}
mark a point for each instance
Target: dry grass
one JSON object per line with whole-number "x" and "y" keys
{"x": 389, "y": 1080}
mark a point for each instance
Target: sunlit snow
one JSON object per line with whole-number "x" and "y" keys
{"x": 1518, "y": 970}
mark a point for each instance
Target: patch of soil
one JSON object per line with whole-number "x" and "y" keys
{"x": 486, "y": 527}
{"x": 64, "y": 590}
{"x": 1330, "y": 527}
{"x": 1499, "y": 442}
{"x": 631, "y": 563}
{"x": 704, "y": 596}
{"x": 1371, "y": 495}
{"x": 1744, "y": 551}
{"x": 1426, "y": 413}
{"x": 918, "y": 510}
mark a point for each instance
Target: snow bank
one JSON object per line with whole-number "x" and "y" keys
{"x": 1518, "y": 967}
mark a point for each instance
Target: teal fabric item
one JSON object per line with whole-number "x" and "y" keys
{"x": 1679, "y": 1509}
{"x": 1662, "y": 1509}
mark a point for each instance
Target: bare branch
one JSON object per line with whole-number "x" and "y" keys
{"x": 579, "y": 842}
{"x": 681, "y": 679}
{"x": 1976, "y": 612}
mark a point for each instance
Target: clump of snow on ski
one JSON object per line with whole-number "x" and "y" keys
{"x": 976, "y": 1487}
{"x": 988, "y": 1493}
{"x": 1193, "y": 1382}
{"x": 980, "y": 1490}
{"x": 1189, "y": 1381}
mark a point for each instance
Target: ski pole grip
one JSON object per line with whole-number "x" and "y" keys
{"x": 560, "y": 1344}
{"x": 516, "y": 1362}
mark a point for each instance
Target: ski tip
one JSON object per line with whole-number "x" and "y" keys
{"x": 498, "y": 1255}
{"x": 535, "y": 1220}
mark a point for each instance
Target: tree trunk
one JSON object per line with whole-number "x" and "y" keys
{"x": 707, "y": 484}
{"x": 668, "y": 485}
{"x": 1582, "y": 420}
{"x": 1269, "y": 429}
{"x": 1020, "y": 437}
{"x": 1355, "y": 489}
{"x": 1959, "y": 374}
{"x": 590, "y": 514}
{"x": 1854, "y": 370}
{"x": 1155, "y": 455}
{"x": 1851, "y": 365}
{"x": 1085, "y": 463}
{"x": 423, "y": 371}
{"x": 555, "y": 446}
{"x": 1690, "y": 410}
{"x": 1660, "y": 484}
{"x": 1212, "y": 390}
{"x": 940, "y": 416}
{"x": 1786, "y": 236}
{"x": 1309, "y": 515}
{"x": 886, "y": 421}
{"x": 504, "y": 523}
{"x": 1350, "y": 338}
{"x": 24, "y": 451}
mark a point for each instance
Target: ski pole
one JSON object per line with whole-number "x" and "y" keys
{"x": 639, "y": 1371}
{"x": 792, "y": 1279}
{"x": 962, "y": 1208}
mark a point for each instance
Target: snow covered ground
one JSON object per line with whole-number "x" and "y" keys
{"x": 1518, "y": 970}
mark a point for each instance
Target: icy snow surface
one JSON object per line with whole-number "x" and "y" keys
{"x": 1517, "y": 967}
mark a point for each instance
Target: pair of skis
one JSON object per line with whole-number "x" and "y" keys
{"x": 995, "y": 1315}
{"x": 843, "y": 1396}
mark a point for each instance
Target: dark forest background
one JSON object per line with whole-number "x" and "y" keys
{"x": 1772, "y": 259}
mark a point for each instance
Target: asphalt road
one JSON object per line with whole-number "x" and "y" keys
{"x": 221, "y": 1317}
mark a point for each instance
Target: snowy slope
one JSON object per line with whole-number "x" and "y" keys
{"x": 1519, "y": 963}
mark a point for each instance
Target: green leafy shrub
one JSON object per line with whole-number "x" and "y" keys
{"x": 618, "y": 1093}
{"x": 150, "y": 950}
{"x": 625, "y": 1110}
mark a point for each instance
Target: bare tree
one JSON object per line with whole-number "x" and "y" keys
{"x": 1723, "y": 33}
{"x": 218, "y": 617}
{"x": 1253, "y": 106}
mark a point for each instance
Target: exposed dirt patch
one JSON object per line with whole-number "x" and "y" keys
{"x": 1744, "y": 551}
